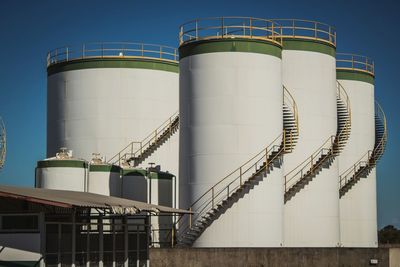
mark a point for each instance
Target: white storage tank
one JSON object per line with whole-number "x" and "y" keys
{"x": 311, "y": 212}
{"x": 230, "y": 110}
{"x": 62, "y": 172}
{"x": 104, "y": 179}
{"x": 103, "y": 96}
{"x": 358, "y": 212}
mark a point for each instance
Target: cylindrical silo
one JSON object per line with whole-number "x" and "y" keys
{"x": 62, "y": 172}
{"x": 105, "y": 97}
{"x": 311, "y": 211}
{"x": 230, "y": 109}
{"x": 103, "y": 178}
{"x": 358, "y": 214}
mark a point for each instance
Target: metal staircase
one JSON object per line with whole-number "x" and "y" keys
{"x": 363, "y": 167}
{"x": 136, "y": 152}
{"x": 229, "y": 190}
{"x": 323, "y": 157}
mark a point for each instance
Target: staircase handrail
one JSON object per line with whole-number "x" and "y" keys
{"x": 327, "y": 146}
{"x": 380, "y": 147}
{"x": 145, "y": 143}
{"x": 289, "y": 100}
{"x": 370, "y": 158}
{"x": 342, "y": 94}
{"x": 308, "y": 162}
{"x": 347, "y": 175}
{"x": 234, "y": 180}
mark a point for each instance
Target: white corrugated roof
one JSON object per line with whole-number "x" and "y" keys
{"x": 71, "y": 199}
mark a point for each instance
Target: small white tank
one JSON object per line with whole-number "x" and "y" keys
{"x": 104, "y": 179}
{"x": 62, "y": 172}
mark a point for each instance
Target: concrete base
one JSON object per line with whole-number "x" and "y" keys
{"x": 282, "y": 257}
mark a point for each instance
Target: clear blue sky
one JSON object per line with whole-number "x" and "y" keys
{"x": 28, "y": 29}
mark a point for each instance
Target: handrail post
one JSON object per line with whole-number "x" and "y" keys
{"x": 197, "y": 29}
{"x": 160, "y": 52}
{"x": 83, "y": 51}
{"x": 142, "y": 50}
{"x": 330, "y": 34}
{"x": 67, "y": 52}
{"x": 212, "y": 196}
{"x": 315, "y": 30}
{"x": 352, "y": 62}
{"x": 141, "y": 148}
{"x": 291, "y": 140}
{"x": 272, "y": 28}
{"x": 293, "y": 28}
{"x": 190, "y": 218}
{"x": 181, "y": 35}
{"x": 266, "y": 159}
{"x": 251, "y": 27}
{"x": 222, "y": 27}
{"x": 172, "y": 236}
{"x": 240, "y": 175}
{"x": 284, "y": 140}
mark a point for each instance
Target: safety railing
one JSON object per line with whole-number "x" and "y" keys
{"x": 369, "y": 159}
{"x": 112, "y": 50}
{"x": 3, "y": 143}
{"x": 136, "y": 148}
{"x": 292, "y": 132}
{"x": 331, "y": 147}
{"x": 309, "y": 164}
{"x": 355, "y": 62}
{"x": 344, "y": 132}
{"x": 381, "y": 142}
{"x": 351, "y": 172}
{"x": 228, "y": 185}
{"x": 230, "y": 27}
{"x": 307, "y": 29}
{"x": 290, "y": 102}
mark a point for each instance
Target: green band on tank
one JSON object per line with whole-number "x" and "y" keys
{"x": 129, "y": 63}
{"x": 161, "y": 175}
{"x": 104, "y": 168}
{"x": 309, "y": 45}
{"x": 230, "y": 45}
{"x": 62, "y": 163}
{"x": 355, "y": 76}
{"x": 134, "y": 172}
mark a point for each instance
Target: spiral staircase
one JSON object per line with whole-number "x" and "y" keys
{"x": 363, "y": 167}
{"x": 323, "y": 157}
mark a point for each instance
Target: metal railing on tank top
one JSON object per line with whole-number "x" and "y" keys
{"x": 119, "y": 50}
{"x": 307, "y": 29}
{"x": 355, "y": 62}
{"x": 230, "y": 27}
